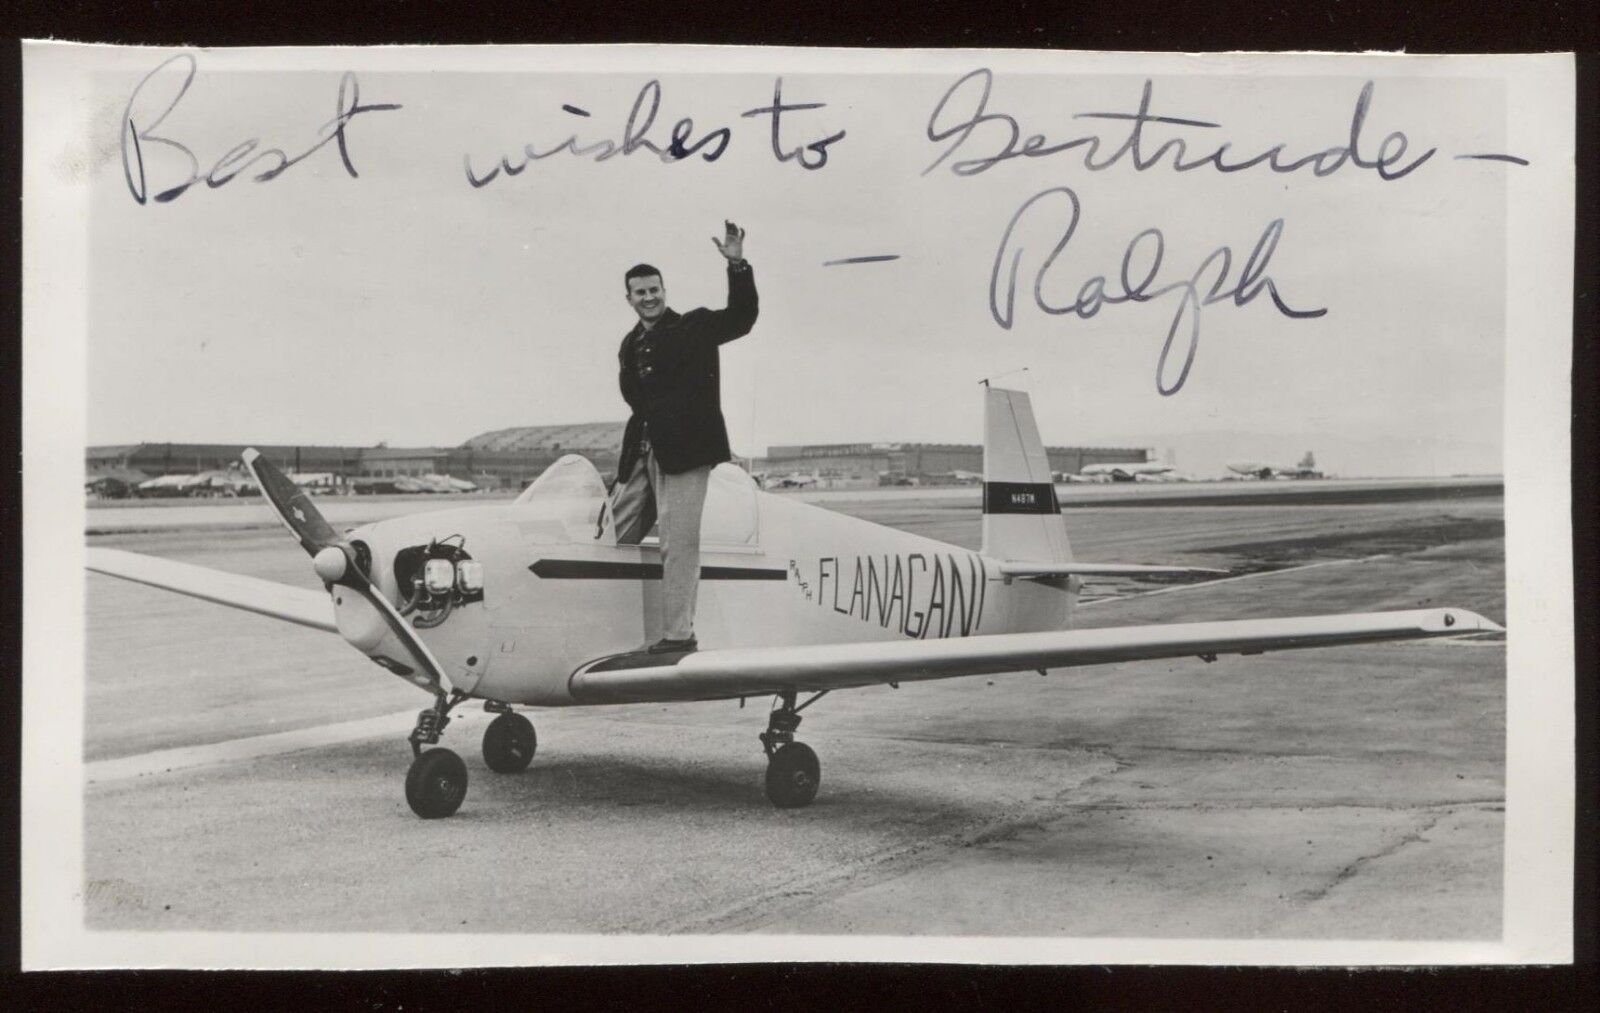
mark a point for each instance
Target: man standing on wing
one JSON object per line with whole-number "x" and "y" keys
{"x": 676, "y": 435}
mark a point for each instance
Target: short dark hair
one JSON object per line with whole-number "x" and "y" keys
{"x": 639, "y": 271}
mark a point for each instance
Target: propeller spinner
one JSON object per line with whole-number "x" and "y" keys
{"x": 334, "y": 559}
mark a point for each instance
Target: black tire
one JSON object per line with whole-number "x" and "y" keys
{"x": 509, "y": 744}
{"x": 793, "y": 776}
{"x": 436, "y": 784}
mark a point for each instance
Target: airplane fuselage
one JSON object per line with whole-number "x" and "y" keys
{"x": 555, "y": 597}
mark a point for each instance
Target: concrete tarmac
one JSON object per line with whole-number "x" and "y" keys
{"x": 245, "y": 774}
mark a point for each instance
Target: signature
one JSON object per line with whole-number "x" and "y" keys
{"x": 1209, "y": 284}
{"x": 143, "y": 116}
{"x": 1005, "y": 140}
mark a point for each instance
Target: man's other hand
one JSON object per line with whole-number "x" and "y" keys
{"x": 731, "y": 245}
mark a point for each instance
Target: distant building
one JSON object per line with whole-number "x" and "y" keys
{"x": 511, "y": 458}
{"x": 863, "y": 463}
{"x": 514, "y": 457}
{"x": 156, "y": 459}
{"x": 506, "y": 458}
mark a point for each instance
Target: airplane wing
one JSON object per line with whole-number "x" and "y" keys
{"x": 1038, "y": 570}
{"x": 293, "y": 604}
{"x": 720, "y": 674}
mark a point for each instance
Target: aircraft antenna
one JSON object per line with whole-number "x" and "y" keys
{"x": 985, "y": 380}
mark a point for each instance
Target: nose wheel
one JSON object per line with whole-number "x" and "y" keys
{"x": 793, "y": 771}
{"x": 436, "y": 784}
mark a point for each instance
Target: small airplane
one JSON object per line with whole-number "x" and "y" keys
{"x": 794, "y": 480}
{"x": 449, "y": 483}
{"x": 533, "y": 603}
{"x": 1130, "y": 471}
{"x": 1307, "y": 468}
{"x": 172, "y": 485}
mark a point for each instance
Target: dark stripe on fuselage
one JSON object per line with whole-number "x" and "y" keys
{"x": 599, "y": 569}
{"x": 1020, "y": 498}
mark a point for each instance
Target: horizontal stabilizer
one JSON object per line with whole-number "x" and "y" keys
{"x": 720, "y": 674}
{"x": 1026, "y": 570}
{"x": 269, "y": 598}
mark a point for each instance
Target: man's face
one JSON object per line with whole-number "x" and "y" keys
{"x": 648, "y": 297}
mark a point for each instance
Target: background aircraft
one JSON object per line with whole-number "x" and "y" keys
{"x": 794, "y": 480}
{"x": 1307, "y": 468}
{"x": 1127, "y": 472}
{"x": 534, "y": 603}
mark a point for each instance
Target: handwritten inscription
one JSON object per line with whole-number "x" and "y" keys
{"x": 1210, "y": 283}
{"x": 974, "y": 137}
{"x": 1004, "y": 134}
{"x": 799, "y": 579}
{"x": 143, "y": 116}
{"x": 962, "y": 120}
{"x": 920, "y": 595}
{"x": 818, "y": 149}
{"x": 681, "y": 143}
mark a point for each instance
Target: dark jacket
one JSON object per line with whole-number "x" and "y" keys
{"x": 677, "y": 403}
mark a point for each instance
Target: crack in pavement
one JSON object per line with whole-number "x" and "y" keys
{"x": 1349, "y": 870}
{"x": 899, "y": 860}
{"x": 882, "y": 864}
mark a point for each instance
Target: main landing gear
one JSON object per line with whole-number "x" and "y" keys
{"x": 509, "y": 743}
{"x": 793, "y": 772}
{"x": 436, "y": 784}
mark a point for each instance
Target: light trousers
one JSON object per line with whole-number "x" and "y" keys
{"x": 679, "y": 500}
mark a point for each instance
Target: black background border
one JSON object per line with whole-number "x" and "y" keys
{"x": 1352, "y": 25}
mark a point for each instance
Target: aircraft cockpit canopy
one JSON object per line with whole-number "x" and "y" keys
{"x": 573, "y": 491}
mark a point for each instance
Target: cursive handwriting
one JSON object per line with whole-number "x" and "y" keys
{"x": 140, "y": 124}
{"x": 819, "y": 149}
{"x": 1007, "y": 141}
{"x": 681, "y": 143}
{"x": 1206, "y": 286}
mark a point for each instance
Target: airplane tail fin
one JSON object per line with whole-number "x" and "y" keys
{"x": 1021, "y": 516}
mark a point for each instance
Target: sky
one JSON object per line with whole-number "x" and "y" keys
{"x": 407, "y": 306}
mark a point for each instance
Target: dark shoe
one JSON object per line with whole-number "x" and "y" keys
{"x": 666, "y": 646}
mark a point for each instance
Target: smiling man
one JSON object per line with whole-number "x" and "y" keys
{"x": 670, "y": 378}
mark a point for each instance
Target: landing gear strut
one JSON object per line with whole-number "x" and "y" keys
{"x": 436, "y": 784}
{"x": 793, "y": 772}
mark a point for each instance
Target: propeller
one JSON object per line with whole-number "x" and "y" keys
{"x": 334, "y": 558}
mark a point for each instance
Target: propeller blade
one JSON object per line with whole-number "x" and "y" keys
{"x": 292, "y": 504}
{"x": 333, "y": 558}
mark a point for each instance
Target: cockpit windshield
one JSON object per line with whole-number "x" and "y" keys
{"x": 572, "y": 491}
{"x": 571, "y": 477}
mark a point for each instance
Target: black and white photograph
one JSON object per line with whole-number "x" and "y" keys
{"x": 541, "y": 505}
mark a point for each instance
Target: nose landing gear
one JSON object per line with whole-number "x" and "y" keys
{"x": 436, "y": 784}
{"x": 793, "y": 772}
